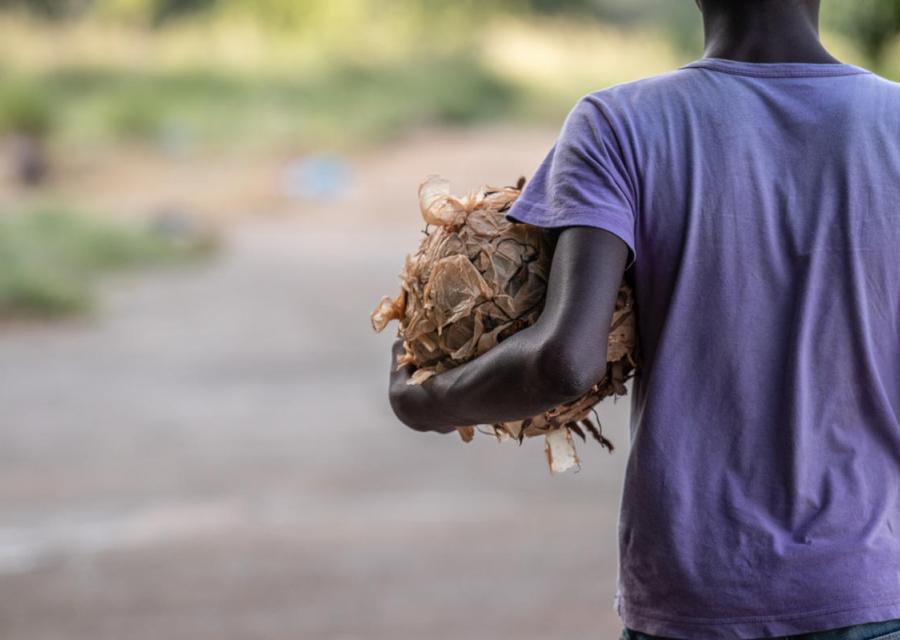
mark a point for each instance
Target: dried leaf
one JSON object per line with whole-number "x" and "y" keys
{"x": 420, "y": 376}
{"x": 598, "y": 434}
{"x": 437, "y": 205}
{"x": 453, "y": 290}
{"x": 388, "y": 309}
{"x": 475, "y": 280}
{"x": 560, "y": 450}
{"x": 574, "y": 428}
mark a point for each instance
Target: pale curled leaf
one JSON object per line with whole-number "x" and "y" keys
{"x": 560, "y": 450}
{"x": 453, "y": 290}
{"x": 420, "y": 376}
{"x": 476, "y": 279}
{"x": 510, "y": 429}
{"x": 438, "y": 207}
{"x": 387, "y": 310}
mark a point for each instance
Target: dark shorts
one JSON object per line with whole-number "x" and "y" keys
{"x": 887, "y": 630}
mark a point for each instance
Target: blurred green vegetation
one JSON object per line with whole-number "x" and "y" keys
{"x": 25, "y": 109}
{"x": 341, "y": 72}
{"x": 874, "y": 24}
{"x": 351, "y": 102}
{"x": 301, "y": 75}
{"x": 318, "y": 71}
{"x": 50, "y": 259}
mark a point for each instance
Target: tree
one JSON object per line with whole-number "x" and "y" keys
{"x": 165, "y": 10}
{"x": 152, "y": 11}
{"x": 51, "y": 9}
{"x": 872, "y": 23}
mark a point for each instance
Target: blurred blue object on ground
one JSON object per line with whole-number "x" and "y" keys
{"x": 317, "y": 177}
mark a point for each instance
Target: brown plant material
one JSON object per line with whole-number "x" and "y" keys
{"x": 478, "y": 278}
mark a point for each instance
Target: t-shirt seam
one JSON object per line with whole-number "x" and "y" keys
{"x": 824, "y": 73}
{"x": 620, "y": 228}
{"x": 545, "y": 213}
{"x": 750, "y": 619}
{"x": 568, "y": 210}
{"x": 632, "y": 187}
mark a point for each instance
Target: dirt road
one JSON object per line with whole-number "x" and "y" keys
{"x": 211, "y": 455}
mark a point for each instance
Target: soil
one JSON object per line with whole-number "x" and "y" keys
{"x": 212, "y": 455}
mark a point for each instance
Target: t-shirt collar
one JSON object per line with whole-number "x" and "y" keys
{"x": 776, "y": 69}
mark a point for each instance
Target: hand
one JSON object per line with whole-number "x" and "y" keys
{"x": 556, "y": 360}
{"x": 408, "y": 401}
{"x": 400, "y": 376}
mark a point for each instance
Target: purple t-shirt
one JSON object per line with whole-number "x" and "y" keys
{"x": 761, "y": 206}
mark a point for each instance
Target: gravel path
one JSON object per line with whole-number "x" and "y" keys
{"x": 211, "y": 455}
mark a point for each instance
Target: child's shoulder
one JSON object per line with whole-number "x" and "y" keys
{"x": 641, "y": 93}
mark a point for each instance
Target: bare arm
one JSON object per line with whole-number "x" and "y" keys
{"x": 555, "y": 360}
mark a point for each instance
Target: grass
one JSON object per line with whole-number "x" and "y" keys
{"x": 24, "y": 110}
{"x": 50, "y": 259}
{"x": 226, "y": 84}
{"x": 223, "y": 83}
{"x": 346, "y": 105}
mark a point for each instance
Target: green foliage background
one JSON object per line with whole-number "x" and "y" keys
{"x": 292, "y": 76}
{"x": 873, "y": 22}
{"x": 50, "y": 258}
{"x": 337, "y": 72}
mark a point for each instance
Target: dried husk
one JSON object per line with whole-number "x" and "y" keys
{"x": 478, "y": 278}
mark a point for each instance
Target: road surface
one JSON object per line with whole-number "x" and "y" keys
{"x": 211, "y": 454}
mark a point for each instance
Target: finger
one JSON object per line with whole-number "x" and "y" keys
{"x": 397, "y": 351}
{"x": 399, "y": 375}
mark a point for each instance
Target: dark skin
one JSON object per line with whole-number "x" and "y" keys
{"x": 558, "y": 358}
{"x": 763, "y": 30}
{"x": 563, "y": 354}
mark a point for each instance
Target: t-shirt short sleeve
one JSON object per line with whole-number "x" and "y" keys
{"x": 583, "y": 180}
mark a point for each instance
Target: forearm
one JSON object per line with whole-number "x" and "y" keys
{"x": 520, "y": 377}
{"x": 557, "y": 359}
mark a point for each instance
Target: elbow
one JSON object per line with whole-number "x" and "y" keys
{"x": 568, "y": 372}
{"x": 405, "y": 410}
{"x": 400, "y": 407}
